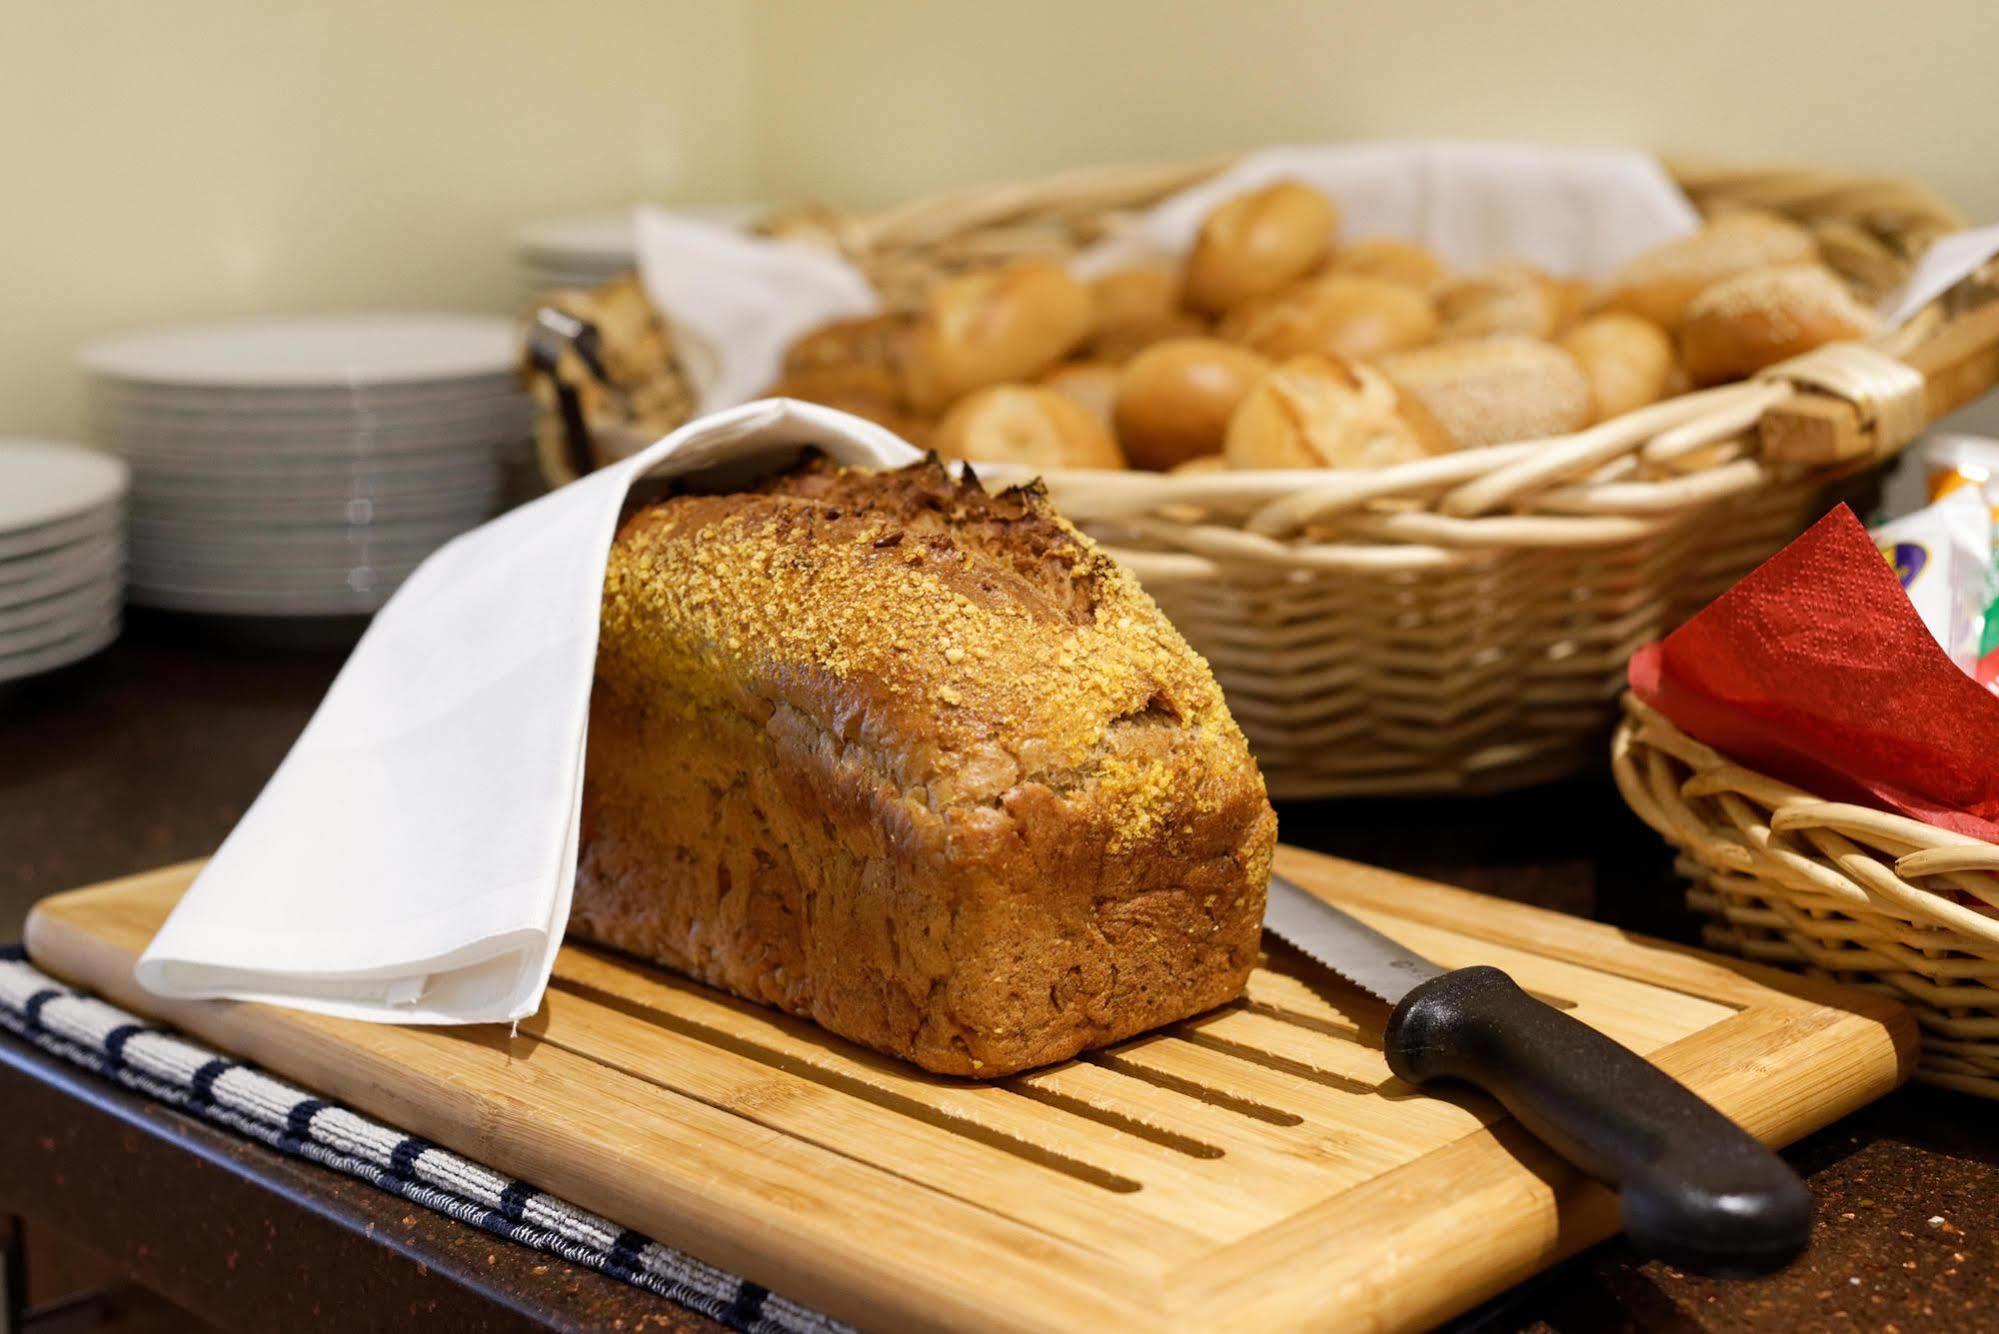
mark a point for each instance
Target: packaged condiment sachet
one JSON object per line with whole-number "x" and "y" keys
{"x": 1942, "y": 554}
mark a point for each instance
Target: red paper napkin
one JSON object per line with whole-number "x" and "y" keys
{"x": 1816, "y": 669}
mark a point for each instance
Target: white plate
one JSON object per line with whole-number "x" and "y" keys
{"x": 86, "y": 555}
{"x": 45, "y": 537}
{"x": 316, "y": 352}
{"x": 163, "y": 513}
{"x": 278, "y": 474}
{"x": 106, "y": 571}
{"x": 258, "y": 455}
{"x": 77, "y": 604}
{"x": 42, "y": 483}
{"x": 343, "y": 548}
{"x": 310, "y": 410}
{"x": 333, "y": 602}
{"x": 263, "y": 529}
{"x": 16, "y": 666}
{"x": 78, "y": 617}
{"x": 358, "y": 579}
{"x": 356, "y": 439}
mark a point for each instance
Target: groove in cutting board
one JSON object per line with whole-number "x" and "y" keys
{"x": 1259, "y": 1158}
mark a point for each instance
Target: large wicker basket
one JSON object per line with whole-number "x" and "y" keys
{"x": 1457, "y": 624}
{"x": 1841, "y": 891}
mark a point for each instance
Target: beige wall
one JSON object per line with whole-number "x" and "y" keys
{"x": 201, "y": 157}
{"x": 882, "y": 97}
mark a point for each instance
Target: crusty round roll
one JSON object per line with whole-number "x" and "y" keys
{"x": 1257, "y": 243}
{"x": 1002, "y": 324}
{"x": 1090, "y": 385}
{"x": 1349, "y": 316}
{"x": 1507, "y": 299}
{"x": 1203, "y": 464}
{"x": 860, "y": 357}
{"x": 1175, "y": 398}
{"x": 1659, "y": 283}
{"x": 1316, "y": 412}
{"x": 1142, "y": 295}
{"x": 1756, "y": 319}
{"x": 1391, "y": 258}
{"x": 1486, "y": 391}
{"x": 1121, "y": 344}
{"x": 1628, "y": 361}
{"x": 1027, "y": 424}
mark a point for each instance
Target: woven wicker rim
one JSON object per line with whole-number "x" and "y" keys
{"x": 1614, "y": 482}
{"x": 1865, "y": 858}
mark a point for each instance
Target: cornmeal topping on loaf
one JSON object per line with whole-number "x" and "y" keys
{"x": 917, "y": 762}
{"x": 1008, "y": 644}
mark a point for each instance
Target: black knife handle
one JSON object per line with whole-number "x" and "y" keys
{"x": 1695, "y": 1189}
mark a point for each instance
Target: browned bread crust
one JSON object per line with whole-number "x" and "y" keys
{"x": 919, "y": 763}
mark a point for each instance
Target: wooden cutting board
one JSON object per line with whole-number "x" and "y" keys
{"x": 1255, "y": 1168}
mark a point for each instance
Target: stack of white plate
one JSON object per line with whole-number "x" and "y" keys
{"x": 586, "y": 252}
{"x": 62, "y": 554}
{"x": 303, "y": 467}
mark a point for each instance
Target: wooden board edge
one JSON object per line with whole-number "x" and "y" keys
{"x": 1072, "y": 1284}
{"x": 1765, "y": 995}
{"x": 1848, "y": 1060}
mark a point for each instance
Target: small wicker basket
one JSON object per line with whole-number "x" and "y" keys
{"x": 1457, "y": 624}
{"x": 1836, "y": 890}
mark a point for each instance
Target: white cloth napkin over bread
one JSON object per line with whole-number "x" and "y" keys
{"x": 412, "y": 859}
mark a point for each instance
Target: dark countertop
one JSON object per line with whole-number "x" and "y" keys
{"x": 149, "y": 753}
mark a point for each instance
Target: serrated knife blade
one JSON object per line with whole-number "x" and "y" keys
{"x": 1695, "y": 1189}
{"x": 1344, "y": 943}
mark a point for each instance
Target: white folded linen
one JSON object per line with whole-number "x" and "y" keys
{"x": 412, "y": 859}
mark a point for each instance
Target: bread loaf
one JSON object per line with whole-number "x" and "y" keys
{"x": 1349, "y": 316}
{"x": 1628, "y": 361}
{"x": 1258, "y": 243}
{"x": 918, "y": 763}
{"x": 1658, "y": 284}
{"x": 1174, "y": 399}
{"x": 1506, "y": 299}
{"x": 1023, "y": 423}
{"x": 1392, "y": 258}
{"x": 985, "y": 328}
{"x": 1757, "y": 319}
{"x": 1314, "y": 412}
{"x": 1487, "y": 391}
{"x": 1090, "y": 385}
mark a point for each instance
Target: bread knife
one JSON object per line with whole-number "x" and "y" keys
{"x": 1694, "y": 1189}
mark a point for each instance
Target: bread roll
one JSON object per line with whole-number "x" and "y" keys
{"x": 918, "y": 763}
{"x": 1142, "y": 295}
{"x": 1025, "y": 424}
{"x": 1175, "y": 398}
{"x": 1341, "y": 315}
{"x": 1507, "y": 299}
{"x": 1388, "y": 257}
{"x": 1257, "y": 244}
{"x": 861, "y": 357}
{"x": 1486, "y": 391}
{"x": 1090, "y": 385}
{"x": 1627, "y": 360}
{"x": 986, "y": 328}
{"x": 1121, "y": 345}
{"x": 1315, "y": 412}
{"x": 1737, "y": 327}
{"x": 1658, "y": 284}
{"x": 1204, "y": 464}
